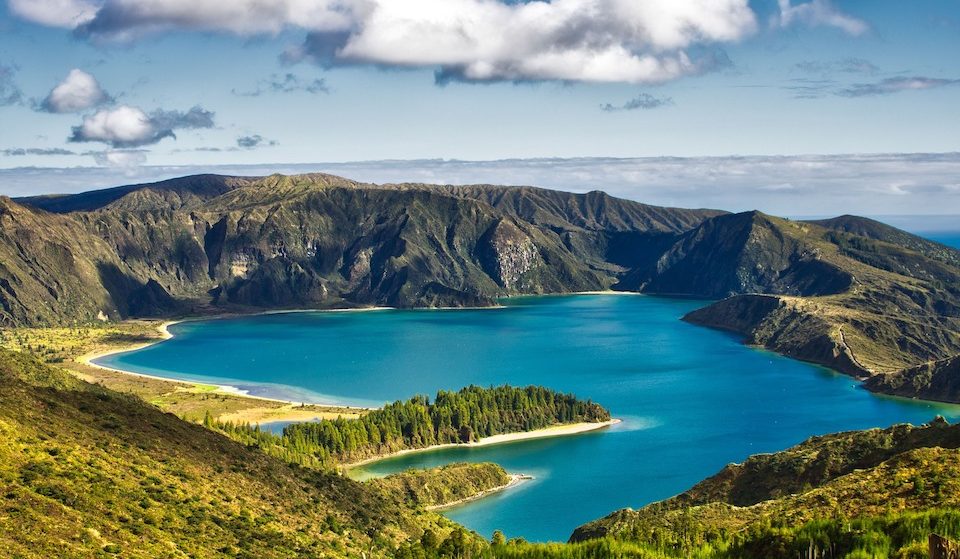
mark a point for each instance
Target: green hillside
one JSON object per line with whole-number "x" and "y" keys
{"x": 86, "y": 472}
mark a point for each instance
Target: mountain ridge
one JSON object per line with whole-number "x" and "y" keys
{"x": 849, "y": 293}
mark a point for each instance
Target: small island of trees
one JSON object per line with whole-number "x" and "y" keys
{"x": 465, "y": 416}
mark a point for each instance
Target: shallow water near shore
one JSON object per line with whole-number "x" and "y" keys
{"x": 692, "y": 399}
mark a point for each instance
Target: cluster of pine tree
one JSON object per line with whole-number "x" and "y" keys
{"x": 452, "y": 417}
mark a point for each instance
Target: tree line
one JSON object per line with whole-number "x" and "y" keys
{"x": 463, "y": 416}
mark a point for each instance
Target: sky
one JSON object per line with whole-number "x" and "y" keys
{"x": 795, "y": 107}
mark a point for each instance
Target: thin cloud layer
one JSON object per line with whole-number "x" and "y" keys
{"x": 79, "y": 91}
{"x": 10, "y": 93}
{"x": 895, "y": 85}
{"x": 15, "y": 152}
{"x": 820, "y": 13}
{"x": 126, "y": 126}
{"x": 842, "y": 66}
{"x": 288, "y": 83}
{"x": 643, "y": 101}
{"x": 879, "y": 184}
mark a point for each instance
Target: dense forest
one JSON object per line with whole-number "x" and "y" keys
{"x": 465, "y": 416}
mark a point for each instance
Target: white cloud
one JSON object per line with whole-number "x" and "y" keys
{"x": 575, "y": 40}
{"x": 77, "y": 92}
{"x": 127, "y": 126}
{"x": 122, "y": 126}
{"x": 820, "y": 12}
{"x": 569, "y": 40}
{"x": 55, "y": 13}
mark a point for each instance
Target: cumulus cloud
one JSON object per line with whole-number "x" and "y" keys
{"x": 55, "y": 13}
{"x": 79, "y": 91}
{"x": 567, "y": 40}
{"x": 254, "y": 141}
{"x": 126, "y": 126}
{"x": 842, "y": 66}
{"x": 643, "y": 101}
{"x": 819, "y": 13}
{"x": 895, "y": 85}
{"x": 10, "y": 93}
{"x": 470, "y": 40}
{"x": 288, "y": 83}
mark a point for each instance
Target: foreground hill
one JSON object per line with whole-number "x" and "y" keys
{"x": 88, "y": 472}
{"x": 850, "y": 293}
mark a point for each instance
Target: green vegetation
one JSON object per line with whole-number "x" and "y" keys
{"x": 438, "y": 487}
{"x": 900, "y": 535}
{"x": 87, "y": 472}
{"x": 452, "y": 418}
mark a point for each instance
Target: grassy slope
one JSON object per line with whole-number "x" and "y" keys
{"x": 86, "y": 472}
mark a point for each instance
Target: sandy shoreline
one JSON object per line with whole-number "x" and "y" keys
{"x": 552, "y": 431}
{"x": 515, "y": 480}
{"x": 89, "y": 358}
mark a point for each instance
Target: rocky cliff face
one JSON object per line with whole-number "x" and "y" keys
{"x": 935, "y": 380}
{"x": 508, "y": 254}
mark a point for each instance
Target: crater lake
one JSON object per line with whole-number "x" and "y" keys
{"x": 691, "y": 399}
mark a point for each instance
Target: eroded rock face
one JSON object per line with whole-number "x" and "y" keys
{"x": 508, "y": 253}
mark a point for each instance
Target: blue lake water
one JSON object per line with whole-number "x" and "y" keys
{"x": 692, "y": 399}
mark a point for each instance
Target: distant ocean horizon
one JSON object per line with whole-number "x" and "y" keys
{"x": 951, "y": 239}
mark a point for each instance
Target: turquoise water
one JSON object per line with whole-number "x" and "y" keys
{"x": 692, "y": 399}
{"x": 948, "y": 238}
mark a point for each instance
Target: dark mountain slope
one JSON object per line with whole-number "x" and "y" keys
{"x": 935, "y": 380}
{"x": 593, "y": 211}
{"x": 742, "y": 253}
{"x": 319, "y": 240}
{"x": 53, "y": 271}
